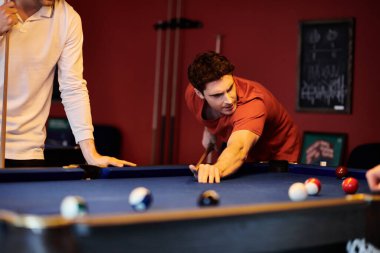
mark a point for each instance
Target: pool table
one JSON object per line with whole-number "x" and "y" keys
{"x": 254, "y": 214}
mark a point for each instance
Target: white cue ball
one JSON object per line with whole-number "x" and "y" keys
{"x": 73, "y": 207}
{"x": 140, "y": 199}
{"x": 297, "y": 192}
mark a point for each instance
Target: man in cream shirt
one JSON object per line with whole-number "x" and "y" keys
{"x": 44, "y": 34}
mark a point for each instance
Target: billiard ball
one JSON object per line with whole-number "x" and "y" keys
{"x": 297, "y": 192}
{"x": 208, "y": 198}
{"x": 350, "y": 185}
{"x": 313, "y": 186}
{"x": 341, "y": 172}
{"x": 140, "y": 199}
{"x": 73, "y": 207}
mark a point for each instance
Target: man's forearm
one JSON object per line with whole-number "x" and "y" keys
{"x": 236, "y": 152}
{"x": 88, "y": 150}
{"x": 230, "y": 160}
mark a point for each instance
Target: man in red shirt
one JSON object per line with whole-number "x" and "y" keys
{"x": 242, "y": 113}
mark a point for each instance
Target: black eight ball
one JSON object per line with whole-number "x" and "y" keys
{"x": 209, "y": 198}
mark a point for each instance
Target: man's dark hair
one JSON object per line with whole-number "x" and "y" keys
{"x": 208, "y": 67}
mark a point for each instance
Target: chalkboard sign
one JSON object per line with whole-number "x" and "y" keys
{"x": 325, "y": 66}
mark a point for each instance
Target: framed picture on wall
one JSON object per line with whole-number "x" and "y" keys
{"x": 325, "y": 65}
{"x": 318, "y": 147}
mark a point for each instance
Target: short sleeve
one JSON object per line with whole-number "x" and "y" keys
{"x": 250, "y": 116}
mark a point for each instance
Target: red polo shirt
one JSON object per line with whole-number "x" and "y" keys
{"x": 259, "y": 112}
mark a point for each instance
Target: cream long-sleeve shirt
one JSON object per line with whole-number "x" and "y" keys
{"x": 51, "y": 37}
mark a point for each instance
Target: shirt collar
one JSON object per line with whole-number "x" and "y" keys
{"x": 44, "y": 12}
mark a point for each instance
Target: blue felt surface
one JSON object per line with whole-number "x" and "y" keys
{"x": 106, "y": 196}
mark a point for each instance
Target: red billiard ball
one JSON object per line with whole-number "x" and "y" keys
{"x": 341, "y": 172}
{"x": 313, "y": 186}
{"x": 350, "y": 185}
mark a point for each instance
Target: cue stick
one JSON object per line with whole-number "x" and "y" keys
{"x": 156, "y": 91}
{"x": 174, "y": 83}
{"x": 165, "y": 86}
{"x": 208, "y": 150}
{"x": 5, "y": 95}
{"x": 218, "y": 43}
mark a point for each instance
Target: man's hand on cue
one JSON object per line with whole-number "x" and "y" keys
{"x": 206, "y": 173}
